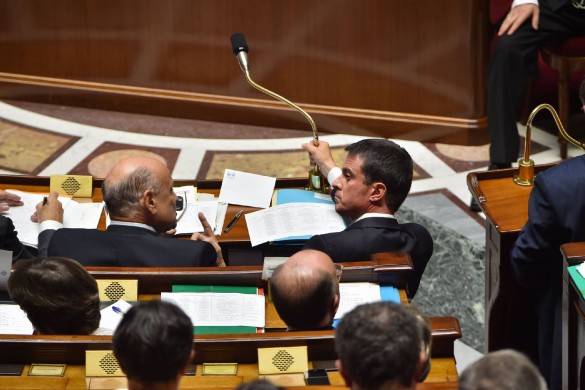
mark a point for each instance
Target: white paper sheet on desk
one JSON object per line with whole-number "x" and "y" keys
{"x": 82, "y": 215}
{"x": 190, "y": 223}
{"x": 220, "y": 309}
{"x": 110, "y": 319}
{"x": 355, "y": 294}
{"x": 28, "y": 231}
{"x": 246, "y": 189}
{"x": 292, "y": 219}
{"x": 14, "y": 321}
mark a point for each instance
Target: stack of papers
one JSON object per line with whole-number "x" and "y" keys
{"x": 220, "y": 309}
{"x": 75, "y": 215}
{"x": 355, "y": 294}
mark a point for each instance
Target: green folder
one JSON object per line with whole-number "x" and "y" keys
{"x": 578, "y": 279}
{"x": 219, "y": 289}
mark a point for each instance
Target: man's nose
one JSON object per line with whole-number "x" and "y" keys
{"x": 336, "y": 184}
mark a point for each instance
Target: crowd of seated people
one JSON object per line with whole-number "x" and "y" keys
{"x": 60, "y": 297}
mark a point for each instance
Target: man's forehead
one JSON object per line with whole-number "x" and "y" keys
{"x": 353, "y": 163}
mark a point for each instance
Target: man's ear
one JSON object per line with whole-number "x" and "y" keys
{"x": 378, "y": 191}
{"x": 334, "y": 305}
{"x": 423, "y": 367}
{"x": 148, "y": 201}
{"x": 189, "y": 362}
{"x": 343, "y": 374}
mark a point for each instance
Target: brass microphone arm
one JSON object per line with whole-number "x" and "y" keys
{"x": 284, "y": 100}
{"x": 525, "y": 175}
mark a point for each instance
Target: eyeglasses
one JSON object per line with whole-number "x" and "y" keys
{"x": 338, "y": 271}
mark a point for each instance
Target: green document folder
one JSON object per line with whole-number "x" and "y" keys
{"x": 578, "y": 279}
{"x": 219, "y": 289}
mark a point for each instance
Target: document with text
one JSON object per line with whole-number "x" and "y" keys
{"x": 355, "y": 294}
{"x": 13, "y": 320}
{"x": 292, "y": 219}
{"x": 220, "y": 309}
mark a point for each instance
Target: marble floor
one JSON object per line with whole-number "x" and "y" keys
{"x": 39, "y": 139}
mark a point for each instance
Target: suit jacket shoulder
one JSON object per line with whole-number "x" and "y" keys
{"x": 129, "y": 247}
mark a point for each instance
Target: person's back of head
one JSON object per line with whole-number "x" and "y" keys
{"x": 154, "y": 344}
{"x": 305, "y": 290}
{"x": 505, "y": 370}
{"x": 58, "y": 295}
{"x": 387, "y": 162}
{"x": 258, "y": 384}
{"x": 379, "y": 346}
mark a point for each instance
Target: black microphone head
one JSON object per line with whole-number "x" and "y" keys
{"x": 239, "y": 43}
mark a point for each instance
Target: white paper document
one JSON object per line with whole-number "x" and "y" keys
{"x": 188, "y": 218}
{"x": 220, "y": 309}
{"x": 28, "y": 231}
{"x": 270, "y": 264}
{"x": 111, "y": 317}
{"x": 14, "y": 321}
{"x": 355, "y": 294}
{"x": 292, "y": 219}
{"x": 246, "y": 189}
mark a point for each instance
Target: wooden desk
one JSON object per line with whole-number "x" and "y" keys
{"x": 573, "y": 320}
{"x": 211, "y": 348}
{"x": 505, "y": 205}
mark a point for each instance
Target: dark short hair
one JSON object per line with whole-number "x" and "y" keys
{"x": 306, "y": 304}
{"x": 58, "y": 295}
{"x": 501, "y": 369}
{"x": 123, "y": 198}
{"x": 582, "y": 92}
{"x": 258, "y": 384}
{"x": 387, "y": 162}
{"x": 378, "y": 343}
{"x": 153, "y": 342}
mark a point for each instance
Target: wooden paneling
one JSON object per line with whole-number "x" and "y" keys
{"x": 411, "y": 69}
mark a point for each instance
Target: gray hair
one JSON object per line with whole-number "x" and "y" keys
{"x": 122, "y": 199}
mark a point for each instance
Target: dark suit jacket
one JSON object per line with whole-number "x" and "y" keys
{"x": 125, "y": 246}
{"x": 373, "y": 235}
{"x": 9, "y": 240}
{"x": 556, "y": 215}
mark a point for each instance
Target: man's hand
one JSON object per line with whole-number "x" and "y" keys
{"x": 320, "y": 154}
{"x": 517, "y": 16}
{"x": 209, "y": 236}
{"x": 49, "y": 210}
{"x": 8, "y": 199}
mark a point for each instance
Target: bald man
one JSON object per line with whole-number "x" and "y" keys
{"x": 139, "y": 198}
{"x": 305, "y": 291}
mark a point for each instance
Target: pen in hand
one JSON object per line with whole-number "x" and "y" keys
{"x": 45, "y": 199}
{"x": 231, "y": 224}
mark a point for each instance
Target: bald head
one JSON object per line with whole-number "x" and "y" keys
{"x": 140, "y": 189}
{"x": 305, "y": 291}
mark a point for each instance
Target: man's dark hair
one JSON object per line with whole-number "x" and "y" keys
{"x": 303, "y": 305}
{"x": 258, "y": 384}
{"x": 379, "y": 343}
{"x": 122, "y": 199}
{"x": 153, "y": 342}
{"x": 58, "y": 295}
{"x": 387, "y": 162}
{"x": 504, "y": 369}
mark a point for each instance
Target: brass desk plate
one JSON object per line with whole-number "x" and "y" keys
{"x": 220, "y": 369}
{"x": 101, "y": 363}
{"x": 114, "y": 290}
{"x": 282, "y": 360}
{"x": 79, "y": 186}
{"x": 37, "y": 369}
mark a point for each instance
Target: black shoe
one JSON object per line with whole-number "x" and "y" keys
{"x": 473, "y": 206}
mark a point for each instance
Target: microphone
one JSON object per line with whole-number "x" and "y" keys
{"x": 240, "y": 49}
{"x": 317, "y": 181}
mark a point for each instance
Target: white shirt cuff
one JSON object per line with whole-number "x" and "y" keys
{"x": 333, "y": 174}
{"x": 50, "y": 225}
{"x": 516, "y": 3}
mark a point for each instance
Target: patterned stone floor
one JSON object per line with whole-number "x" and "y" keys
{"x": 41, "y": 139}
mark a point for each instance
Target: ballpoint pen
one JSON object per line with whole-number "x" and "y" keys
{"x": 233, "y": 221}
{"x": 117, "y": 310}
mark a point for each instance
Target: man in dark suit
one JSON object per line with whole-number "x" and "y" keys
{"x": 528, "y": 26}
{"x": 139, "y": 198}
{"x": 555, "y": 216}
{"x": 8, "y": 236}
{"x": 372, "y": 184}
